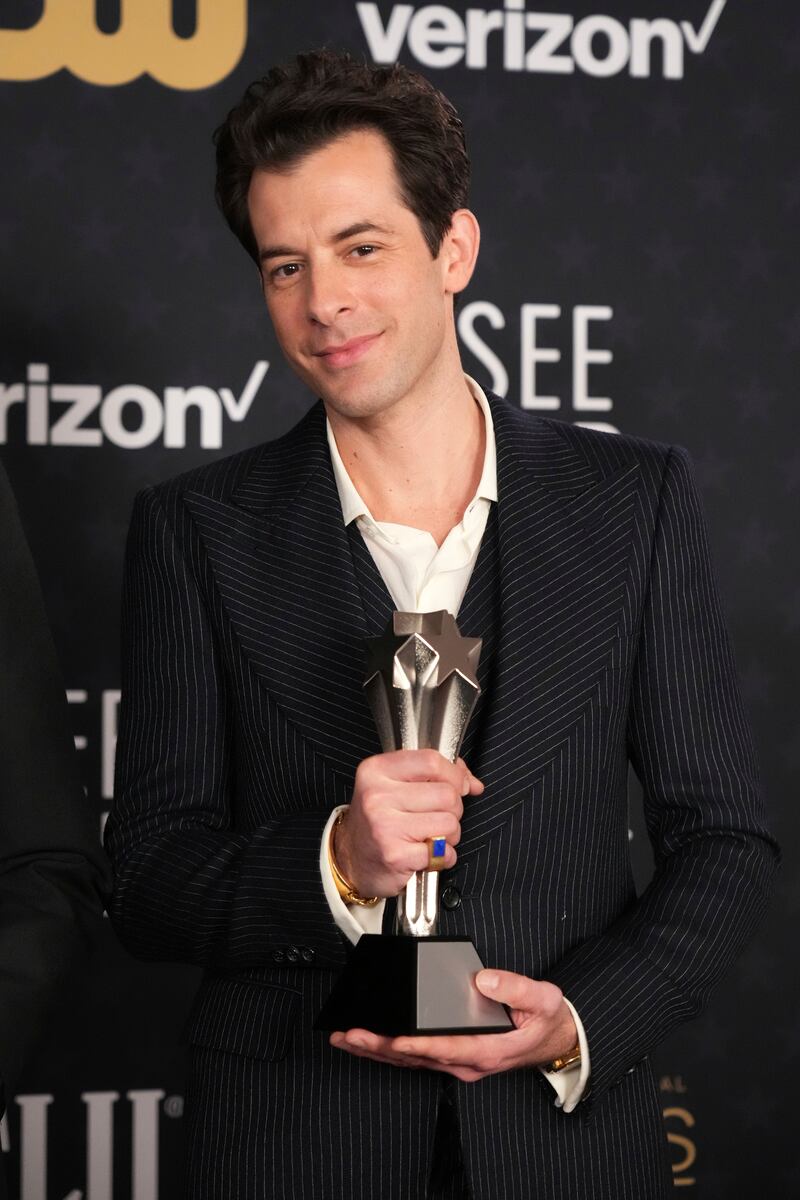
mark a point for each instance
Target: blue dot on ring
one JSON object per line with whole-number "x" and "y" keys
{"x": 439, "y": 847}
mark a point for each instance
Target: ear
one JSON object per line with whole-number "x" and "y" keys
{"x": 459, "y": 250}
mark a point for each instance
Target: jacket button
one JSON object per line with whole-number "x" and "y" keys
{"x": 278, "y": 956}
{"x": 451, "y": 897}
{"x": 293, "y": 954}
{"x": 308, "y": 954}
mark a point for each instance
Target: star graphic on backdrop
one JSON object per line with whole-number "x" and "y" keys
{"x": 713, "y": 470}
{"x": 791, "y": 329}
{"x": 665, "y": 254}
{"x": 790, "y": 48}
{"x": 577, "y": 108}
{"x": 574, "y": 251}
{"x": 494, "y": 265}
{"x": 756, "y": 541}
{"x": 47, "y": 157}
{"x": 191, "y": 238}
{"x": 756, "y": 682}
{"x": 754, "y": 260}
{"x": 8, "y": 234}
{"x": 483, "y": 107}
{"x": 527, "y": 181}
{"x": 718, "y": 50}
{"x": 243, "y": 315}
{"x": 791, "y": 473}
{"x": 665, "y": 398}
{"x": 755, "y": 118}
{"x": 791, "y": 612}
{"x": 98, "y": 235}
{"x": 203, "y": 105}
{"x": 93, "y": 99}
{"x": 710, "y": 328}
{"x": 756, "y": 1105}
{"x": 792, "y": 190}
{"x": 327, "y": 26}
{"x": 145, "y": 162}
{"x": 625, "y": 327}
{"x": 667, "y": 114}
{"x": 145, "y": 308}
{"x": 753, "y": 400}
{"x": 711, "y": 187}
{"x": 620, "y": 183}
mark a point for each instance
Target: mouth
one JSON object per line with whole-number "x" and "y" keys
{"x": 346, "y": 353}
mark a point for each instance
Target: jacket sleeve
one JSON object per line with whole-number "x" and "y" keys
{"x": 690, "y": 746}
{"x": 53, "y": 873}
{"x": 190, "y": 885}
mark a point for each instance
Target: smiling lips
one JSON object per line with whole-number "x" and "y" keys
{"x": 347, "y": 353}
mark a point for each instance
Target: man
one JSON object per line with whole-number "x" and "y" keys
{"x": 257, "y": 828}
{"x": 53, "y": 873}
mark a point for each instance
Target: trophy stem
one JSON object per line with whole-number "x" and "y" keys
{"x": 418, "y": 905}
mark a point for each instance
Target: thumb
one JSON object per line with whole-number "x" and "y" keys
{"x": 518, "y": 991}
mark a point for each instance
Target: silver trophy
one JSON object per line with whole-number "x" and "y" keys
{"x": 422, "y": 687}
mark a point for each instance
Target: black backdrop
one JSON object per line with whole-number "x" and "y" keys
{"x": 639, "y": 207}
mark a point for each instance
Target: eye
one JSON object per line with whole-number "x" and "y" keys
{"x": 364, "y": 251}
{"x": 284, "y": 271}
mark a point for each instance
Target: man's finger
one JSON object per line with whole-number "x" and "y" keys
{"x": 419, "y": 766}
{"x": 518, "y": 991}
{"x": 423, "y": 766}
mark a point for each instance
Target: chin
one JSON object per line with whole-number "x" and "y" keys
{"x": 357, "y": 400}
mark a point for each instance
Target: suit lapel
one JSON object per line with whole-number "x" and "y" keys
{"x": 564, "y": 544}
{"x": 284, "y": 565}
{"x": 281, "y": 559}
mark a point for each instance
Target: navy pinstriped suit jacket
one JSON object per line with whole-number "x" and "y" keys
{"x": 243, "y": 722}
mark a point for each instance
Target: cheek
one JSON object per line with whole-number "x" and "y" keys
{"x": 284, "y": 321}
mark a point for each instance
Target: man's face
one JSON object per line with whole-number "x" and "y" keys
{"x": 360, "y": 308}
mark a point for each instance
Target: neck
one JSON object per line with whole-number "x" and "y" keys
{"x": 419, "y": 462}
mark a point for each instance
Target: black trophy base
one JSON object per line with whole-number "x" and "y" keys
{"x": 400, "y": 986}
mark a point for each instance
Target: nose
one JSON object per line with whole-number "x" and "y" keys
{"x": 328, "y": 294}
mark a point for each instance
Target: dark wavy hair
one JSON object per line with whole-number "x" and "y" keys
{"x": 302, "y": 105}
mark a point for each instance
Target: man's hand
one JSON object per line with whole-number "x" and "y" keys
{"x": 545, "y": 1029}
{"x": 401, "y": 798}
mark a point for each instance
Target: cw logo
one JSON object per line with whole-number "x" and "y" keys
{"x": 66, "y": 35}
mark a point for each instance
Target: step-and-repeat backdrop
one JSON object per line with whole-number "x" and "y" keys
{"x": 639, "y": 207}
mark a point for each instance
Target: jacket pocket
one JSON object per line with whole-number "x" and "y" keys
{"x": 255, "y": 1020}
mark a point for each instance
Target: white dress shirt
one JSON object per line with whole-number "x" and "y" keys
{"x": 423, "y": 577}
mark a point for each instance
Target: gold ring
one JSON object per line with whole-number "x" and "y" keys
{"x": 437, "y": 848}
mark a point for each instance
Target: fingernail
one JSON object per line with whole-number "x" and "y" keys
{"x": 358, "y": 1042}
{"x": 488, "y": 980}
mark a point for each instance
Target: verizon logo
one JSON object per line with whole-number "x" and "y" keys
{"x": 515, "y": 39}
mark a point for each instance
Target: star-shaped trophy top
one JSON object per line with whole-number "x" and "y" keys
{"x": 448, "y": 651}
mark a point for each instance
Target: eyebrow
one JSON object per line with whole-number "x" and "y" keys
{"x": 351, "y": 231}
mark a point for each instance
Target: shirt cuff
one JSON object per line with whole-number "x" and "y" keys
{"x": 570, "y": 1084}
{"x": 352, "y": 919}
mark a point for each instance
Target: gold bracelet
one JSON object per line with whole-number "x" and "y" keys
{"x": 567, "y": 1060}
{"x": 343, "y": 885}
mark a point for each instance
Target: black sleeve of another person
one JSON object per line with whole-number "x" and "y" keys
{"x": 53, "y": 874}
